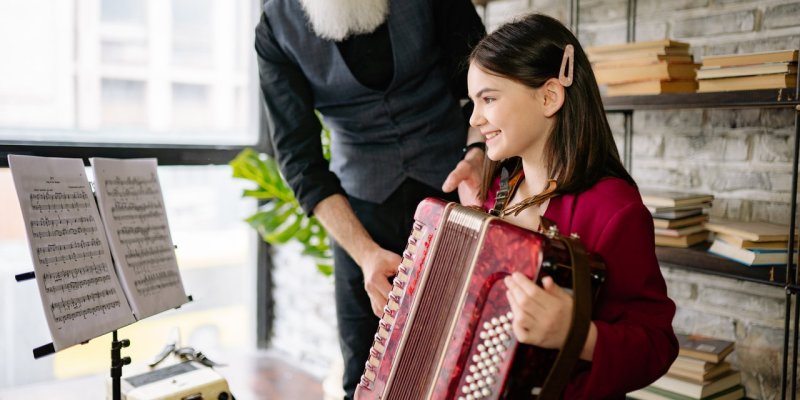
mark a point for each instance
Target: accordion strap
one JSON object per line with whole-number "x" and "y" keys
{"x": 561, "y": 372}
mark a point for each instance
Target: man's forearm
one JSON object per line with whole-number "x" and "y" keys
{"x": 338, "y": 218}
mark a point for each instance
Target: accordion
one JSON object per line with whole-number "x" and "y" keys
{"x": 446, "y": 330}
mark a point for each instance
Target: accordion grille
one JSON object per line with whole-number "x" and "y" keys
{"x": 437, "y": 305}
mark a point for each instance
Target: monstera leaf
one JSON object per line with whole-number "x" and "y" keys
{"x": 280, "y": 219}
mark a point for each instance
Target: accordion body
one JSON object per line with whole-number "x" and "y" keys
{"x": 446, "y": 330}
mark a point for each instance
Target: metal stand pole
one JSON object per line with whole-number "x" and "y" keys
{"x": 116, "y": 364}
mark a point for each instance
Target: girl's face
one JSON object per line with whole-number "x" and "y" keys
{"x": 511, "y": 116}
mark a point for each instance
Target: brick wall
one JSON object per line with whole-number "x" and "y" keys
{"x": 743, "y": 157}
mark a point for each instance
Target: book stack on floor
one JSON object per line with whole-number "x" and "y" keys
{"x": 678, "y": 217}
{"x": 660, "y": 66}
{"x": 755, "y": 244}
{"x": 699, "y": 372}
{"x": 770, "y": 70}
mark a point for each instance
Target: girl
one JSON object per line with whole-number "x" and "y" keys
{"x": 538, "y": 106}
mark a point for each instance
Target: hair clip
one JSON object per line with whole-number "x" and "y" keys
{"x": 564, "y": 76}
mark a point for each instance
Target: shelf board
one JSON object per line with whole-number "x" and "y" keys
{"x": 740, "y": 99}
{"x": 697, "y": 259}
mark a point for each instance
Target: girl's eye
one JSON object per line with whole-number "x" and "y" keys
{"x": 488, "y": 100}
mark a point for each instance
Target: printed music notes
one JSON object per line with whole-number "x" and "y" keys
{"x": 97, "y": 270}
{"x": 132, "y": 206}
{"x": 80, "y": 293}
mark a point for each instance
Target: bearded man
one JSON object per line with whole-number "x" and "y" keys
{"x": 387, "y": 77}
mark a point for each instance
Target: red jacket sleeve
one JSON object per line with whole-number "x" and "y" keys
{"x": 635, "y": 341}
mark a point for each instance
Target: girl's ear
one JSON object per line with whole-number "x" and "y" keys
{"x": 553, "y": 96}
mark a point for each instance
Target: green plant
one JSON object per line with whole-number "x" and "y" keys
{"x": 281, "y": 218}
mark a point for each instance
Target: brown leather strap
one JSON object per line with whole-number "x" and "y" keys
{"x": 562, "y": 369}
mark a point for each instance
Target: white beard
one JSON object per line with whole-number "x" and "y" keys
{"x": 338, "y": 19}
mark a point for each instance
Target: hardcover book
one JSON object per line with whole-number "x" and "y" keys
{"x": 771, "y": 81}
{"x": 677, "y": 232}
{"x": 680, "y": 222}
{"x": 729, "y": 60}
{"x": 625, "y": 47}
{"x": 652, "y": 87}
{"x": 666, "y": 198}
{"x": 645, "y": 60}
{"x": 699, "y": 390}
{"x": 681, "y": 241}
{"x": 662, "y": 71}
{"x": 703, "y": 347}
{"x": 654, "y": 393}
{"x": 702, "y": 376}
{"x": 750, "y": 257}
{"x": 746, "y": 70}
{"x": 662, "y": 209}
{"x": 737, "y": 241}
{"x": 753, "y": 231}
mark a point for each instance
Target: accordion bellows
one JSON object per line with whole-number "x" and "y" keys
{"x": 446, "y": 330}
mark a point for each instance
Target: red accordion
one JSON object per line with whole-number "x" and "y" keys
{"x": 446, "y": 330}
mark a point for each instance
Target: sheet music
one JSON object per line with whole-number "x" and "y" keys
{"x": 80, "y": 293}
{"x": 132, "y": 206}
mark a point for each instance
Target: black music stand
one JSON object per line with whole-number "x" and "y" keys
{"x": 117, "y": 361}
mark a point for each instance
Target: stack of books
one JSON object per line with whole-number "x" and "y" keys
{"x": 755, "y": 244}
{"x": 699, "y": 372}
{"x": 660, "y": 66}
{"x": 678, "y": 217}
{"x": 770, "y": 70}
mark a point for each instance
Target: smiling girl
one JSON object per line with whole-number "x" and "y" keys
{"x": 538, "y": 106}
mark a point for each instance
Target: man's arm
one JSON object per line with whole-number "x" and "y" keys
{"x": 376, "y": 263}
{"x": 295, "y": 133}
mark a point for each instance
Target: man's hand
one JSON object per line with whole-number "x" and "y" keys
{"x": 378, "y": 266}
{"x": 466, "y": 176}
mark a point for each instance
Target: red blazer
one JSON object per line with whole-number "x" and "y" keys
{"x": 633, "y": 315}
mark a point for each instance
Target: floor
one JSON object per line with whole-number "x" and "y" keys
{"x": 254, "y": 377}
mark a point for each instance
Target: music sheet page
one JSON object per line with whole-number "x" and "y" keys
{"x": 132, "y": 206}
{"x": 80, "y": 292}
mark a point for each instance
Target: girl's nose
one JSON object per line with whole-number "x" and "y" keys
{"x": 476, "y": 119}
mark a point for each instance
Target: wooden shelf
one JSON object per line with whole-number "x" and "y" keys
{"x": 697, "y": 259}
{"x": 776, "y": 98}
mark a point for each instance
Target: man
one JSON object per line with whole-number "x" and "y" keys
{"x": 387, "y": 77}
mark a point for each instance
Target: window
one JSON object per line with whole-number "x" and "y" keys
{"x": 174, "y": 80}
{"x": 128, "y": 71}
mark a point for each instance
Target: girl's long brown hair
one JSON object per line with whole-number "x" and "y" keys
{"x": 581, "y": 149}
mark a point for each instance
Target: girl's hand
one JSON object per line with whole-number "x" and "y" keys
{"x": 542, "y": 315}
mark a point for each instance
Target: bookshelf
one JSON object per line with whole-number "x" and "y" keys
{"x": 696, "y": 258}
{"x": 769, "y": 98}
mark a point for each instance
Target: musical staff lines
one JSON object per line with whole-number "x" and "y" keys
{"x": 76, "y": 307}
{"x": 132, "y": 205}
{"x": 57, "y": 201}
{"x": 74, "y": 273}
{"x": 151, "y": 283}
{"x": 78, "y": 286}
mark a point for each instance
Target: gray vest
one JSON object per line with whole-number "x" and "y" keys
{"x": 414, "y": 129}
